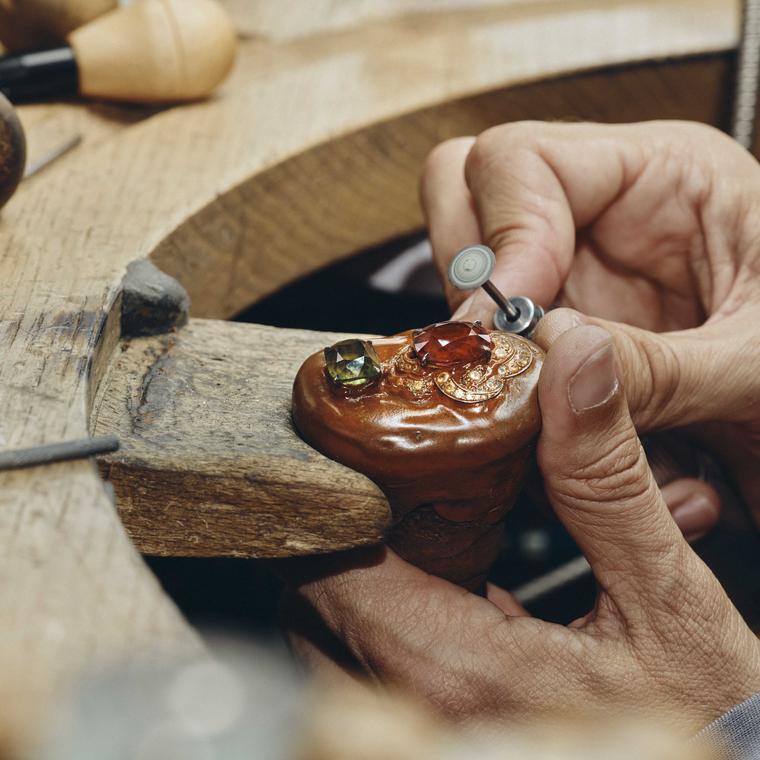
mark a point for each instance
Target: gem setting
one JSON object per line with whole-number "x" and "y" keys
{"x": 352, "y": 363}
{"x": 447, "y": 344}
{"x": 460, "y": 360}
{"x": 467, "y": 382}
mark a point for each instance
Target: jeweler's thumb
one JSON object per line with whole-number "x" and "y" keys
{"x": 672, "y": 379}
{"x": 595, "y": 472}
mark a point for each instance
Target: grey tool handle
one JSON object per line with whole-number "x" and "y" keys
{"x": 472, "y": 268}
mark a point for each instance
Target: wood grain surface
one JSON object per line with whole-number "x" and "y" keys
{"x": 209, "y": 464}
{"x": 309, "y": 151}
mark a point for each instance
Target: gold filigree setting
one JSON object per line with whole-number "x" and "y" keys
{"x": 467, "y": 383}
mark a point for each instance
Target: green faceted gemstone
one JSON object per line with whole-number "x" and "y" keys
{"x": 352, "y": 362}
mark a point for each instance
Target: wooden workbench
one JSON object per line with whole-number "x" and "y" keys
{"x": 310, "y": 152}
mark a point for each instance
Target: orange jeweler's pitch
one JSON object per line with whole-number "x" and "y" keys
{"x": 448, "y": 343}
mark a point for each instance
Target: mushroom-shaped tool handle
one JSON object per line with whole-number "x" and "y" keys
{"x": 150, "y": 51}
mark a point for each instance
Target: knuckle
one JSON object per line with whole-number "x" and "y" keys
{"x": 616, "y": 470}
{"x": 682, "y": 136}
{"x": 654, "y": 391}
{"x": 515, "y": 640}
{"x": 498, "y": 141}
{"x": 716, "y": 138}
{"x": 701, "y": 131}
{"x": 455, "y": 149}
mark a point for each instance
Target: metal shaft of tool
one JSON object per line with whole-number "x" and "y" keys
{"x": 53, "y": 156}
{"x": 501, "y": 300}
{"x": 552, "y": 581}
{"x": 57, "y": 452}
{"x": 747, "y": 76}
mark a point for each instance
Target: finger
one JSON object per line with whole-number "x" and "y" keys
{"x": 694, "y": 505}
{"x": 314, "y": 645}
{"x": 596, "y": 474}
{"x": 678, "y": 378}
{"x": 447, "y": 205}
{"x": 505, "y": 601}
{"x": 318, "y": 663}
{"x": 399, "y": 621}
{"x": 533, "y": 184}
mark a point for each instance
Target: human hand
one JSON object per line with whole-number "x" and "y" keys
{"x": 655, "y": 226}
{"x": 663, "y": 637}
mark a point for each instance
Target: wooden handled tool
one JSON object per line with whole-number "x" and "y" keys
{"x": 148, "y": 51}
{"x": 34, "y": 24}
{"x": 12, "y": 151}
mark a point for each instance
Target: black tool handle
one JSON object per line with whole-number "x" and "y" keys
{"x": 39, "y": 75}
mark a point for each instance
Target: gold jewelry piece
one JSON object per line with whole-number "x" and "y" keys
{"x": 469, "y": 383}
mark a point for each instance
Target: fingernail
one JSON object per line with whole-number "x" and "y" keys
{"x": 594, "y": 382}
{"x": 694, "y": 516}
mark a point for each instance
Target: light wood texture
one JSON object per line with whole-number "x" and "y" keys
{"x": 406, "y": 84}
{"x": 49, "y": 125}
{"x": 35, "y": 24}
{"x": 310, "y": 150}
{"x": 318, "y": 206}
{"x": 291, "y": 19}
{"x": 209, "y": 464}
{"x": 155, "y": 51}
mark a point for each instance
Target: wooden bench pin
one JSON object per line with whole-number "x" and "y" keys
{"x": 151, "y": 51}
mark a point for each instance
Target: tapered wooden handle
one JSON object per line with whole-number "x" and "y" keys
{"x": 156, "y": 51}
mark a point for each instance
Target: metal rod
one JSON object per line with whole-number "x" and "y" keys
{"x": 747, "y": 76}
{"x": 552, "y": 581}
{"x": 53, "y": 156}
{"x": 501, "y": 300}
{"x": 57, "y": 452}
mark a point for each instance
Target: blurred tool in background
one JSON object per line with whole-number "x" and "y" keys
{"x": 150, "y": 51}
{"x": 247, "y": 701}
{"x": 12, "y": 151}
{"x": 36, "y": 24}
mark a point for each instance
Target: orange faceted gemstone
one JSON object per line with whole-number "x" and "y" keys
{"x": 448, "y": 343}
